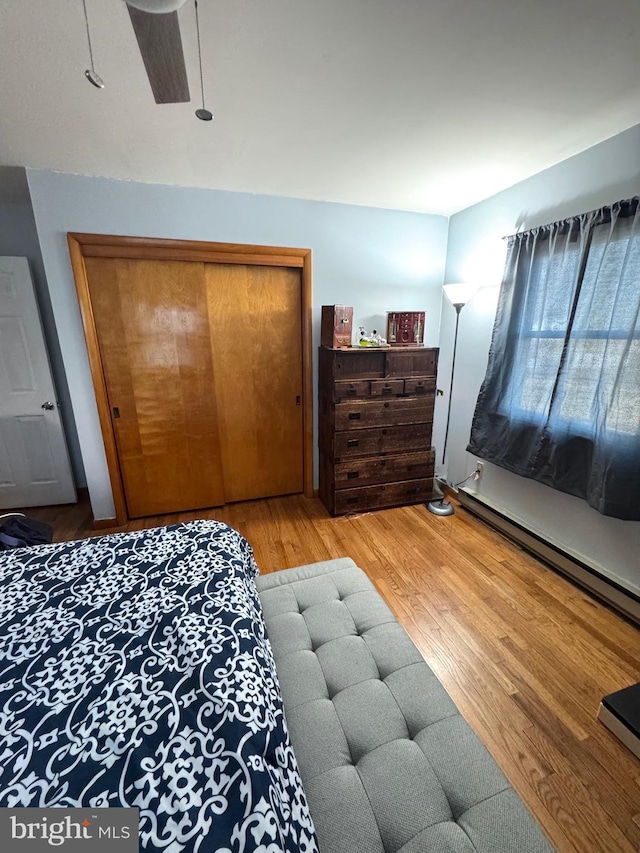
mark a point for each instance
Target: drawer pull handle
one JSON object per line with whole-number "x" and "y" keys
{"x": 383, "y": 461}
{"x": 351, "y": 392}
{"x": 354, "y": 416}
{"x": 386, "y": 405}
{"x": 384, "y": 432}
{"x": 352, "y": 475}
{"x": 387, "y": 390}
{"x": 353, "y": 442}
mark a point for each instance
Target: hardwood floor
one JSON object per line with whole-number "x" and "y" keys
{"x": 524, "y": 653}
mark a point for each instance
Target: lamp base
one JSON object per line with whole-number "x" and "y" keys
{"x": 440, "y": 507}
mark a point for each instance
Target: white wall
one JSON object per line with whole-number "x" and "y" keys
{"x": 375, "y": 260}
{"x": 476, "y": 252}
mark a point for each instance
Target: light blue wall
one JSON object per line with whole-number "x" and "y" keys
{"x": 19, "y": 237}
{"x": 476, "y": 252}
{"x": 376, "y": 260}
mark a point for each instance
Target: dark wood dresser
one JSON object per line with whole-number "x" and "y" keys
{"x": 375, "y": 421}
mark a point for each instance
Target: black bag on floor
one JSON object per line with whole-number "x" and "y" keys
{"x": 20, "y": 531}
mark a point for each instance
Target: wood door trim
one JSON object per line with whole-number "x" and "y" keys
{"x": 150, "y": 248}
{"x": 92, "y": 243}
{"x": 97, "y": 375}
{"x": 307, "y": 378}
{"x": 148, "y": 253}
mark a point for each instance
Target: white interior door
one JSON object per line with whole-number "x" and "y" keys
{"x": 34, "y": 460}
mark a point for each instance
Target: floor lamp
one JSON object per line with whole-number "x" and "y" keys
{"x": 458, "y": 295}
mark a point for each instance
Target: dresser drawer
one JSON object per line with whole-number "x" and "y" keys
{"x": 386, "y": 495}
{"x": 413, "y": 362}
{"x": 384, "y": 440}
{"x": 376, "y": 388}
{"x": 359, "y": 363}
{"x": 420, "y": 386}
{"x": 346, "y": 390}
{"x": 387, "y": 387}
{"x": 371, "y": 413}
{"x": 385, "y": 469}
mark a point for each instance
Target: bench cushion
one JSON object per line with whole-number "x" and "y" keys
{"x": 387, "y": 761}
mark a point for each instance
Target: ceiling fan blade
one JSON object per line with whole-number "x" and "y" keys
{"x": 157, "y": 6}
{"x": 160, "y": 44}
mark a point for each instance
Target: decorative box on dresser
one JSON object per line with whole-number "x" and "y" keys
{"x": 375, "y": 422}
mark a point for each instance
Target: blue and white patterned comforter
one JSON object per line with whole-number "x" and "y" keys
{"x": 135, "y": 671}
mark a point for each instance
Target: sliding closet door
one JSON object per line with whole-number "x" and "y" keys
{"x": 255, "y": 318}
{"x": 153, "y": 331}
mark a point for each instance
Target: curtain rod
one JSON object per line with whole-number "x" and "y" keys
{"x": 634, "y": 202}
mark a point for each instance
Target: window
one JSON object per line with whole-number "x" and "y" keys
{"x": 561, "y": 399}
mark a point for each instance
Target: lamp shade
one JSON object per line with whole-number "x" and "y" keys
{"x": 459, "y": 294}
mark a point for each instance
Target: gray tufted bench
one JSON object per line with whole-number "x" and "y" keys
{"x": 387, "y": 761}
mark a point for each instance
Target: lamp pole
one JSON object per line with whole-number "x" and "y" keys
{"x": 441, "y": 506}
{"x": 458, "y": 295}
{"x": 458, "y": 306}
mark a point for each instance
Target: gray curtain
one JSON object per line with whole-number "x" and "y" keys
{"x": 561, "y": 399}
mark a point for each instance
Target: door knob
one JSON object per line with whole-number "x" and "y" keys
{"x": 48, "y": 406}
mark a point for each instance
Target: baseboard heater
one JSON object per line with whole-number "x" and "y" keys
{"x": 609, "y": 591}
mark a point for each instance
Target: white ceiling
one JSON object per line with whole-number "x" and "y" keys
{"x": 424, "y": 105}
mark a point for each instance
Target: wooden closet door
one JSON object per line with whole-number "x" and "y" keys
{"x": 255, "y": 318}
{"x": 153, "y": 330}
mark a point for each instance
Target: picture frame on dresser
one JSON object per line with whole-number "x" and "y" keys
{"x": 375, "y": 427}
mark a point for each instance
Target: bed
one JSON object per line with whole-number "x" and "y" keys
{"x": 136, "y": 672}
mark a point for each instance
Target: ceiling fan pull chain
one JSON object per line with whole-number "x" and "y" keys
{"x": 203, "y": 114}
{"x": 90, "y": 74}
